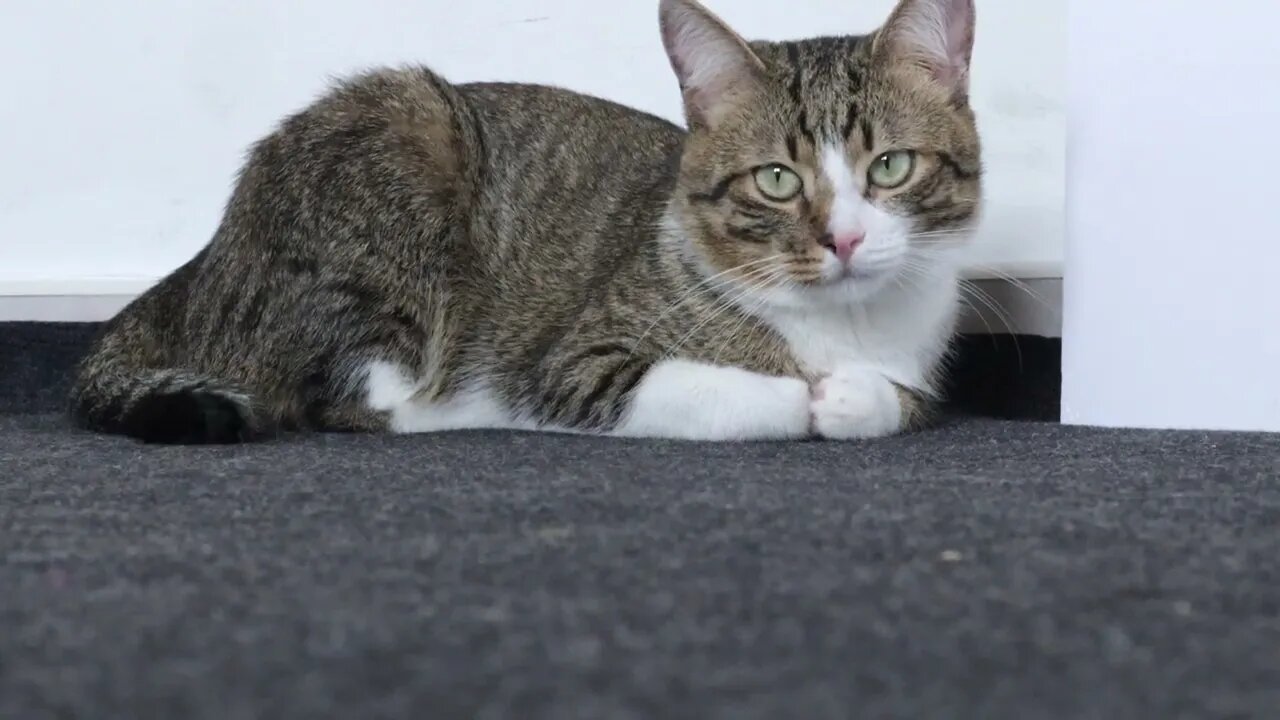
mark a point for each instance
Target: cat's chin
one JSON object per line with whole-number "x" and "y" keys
{"x": 853, "y": 282}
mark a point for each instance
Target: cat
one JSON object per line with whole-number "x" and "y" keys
{"x": 410, "y": 255}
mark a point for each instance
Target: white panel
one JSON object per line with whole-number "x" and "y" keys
{"x": 1171, "y": 298}
{"x": 124, "y": 122}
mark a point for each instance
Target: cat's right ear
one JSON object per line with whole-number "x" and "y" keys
{"x": 718, "y": 73}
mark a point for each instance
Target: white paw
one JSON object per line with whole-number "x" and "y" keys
{"x": 855, "y": 401}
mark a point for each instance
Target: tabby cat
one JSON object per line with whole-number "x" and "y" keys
{"x": 410, "y": 255}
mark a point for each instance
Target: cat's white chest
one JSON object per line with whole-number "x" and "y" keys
{"x": 902, "y": 337}
{"x": 822, "y": 340}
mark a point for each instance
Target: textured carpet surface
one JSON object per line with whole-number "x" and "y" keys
{"x": 986, "y": 569}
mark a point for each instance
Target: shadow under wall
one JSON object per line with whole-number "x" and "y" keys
{"x": 1013, "y": 377}
{"x": 1004, "y": 376}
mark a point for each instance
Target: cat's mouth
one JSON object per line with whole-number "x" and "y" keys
{"x": 851, "y": 274}
{"x": 854, "y": 273}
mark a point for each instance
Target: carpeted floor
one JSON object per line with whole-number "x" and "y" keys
{"x": 986, "y": 569}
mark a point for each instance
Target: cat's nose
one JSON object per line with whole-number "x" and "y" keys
{"x": 842, "y": 245}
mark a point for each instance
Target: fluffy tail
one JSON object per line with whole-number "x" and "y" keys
{"x": 162, "y": 406}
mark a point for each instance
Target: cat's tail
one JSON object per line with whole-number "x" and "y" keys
{"x": 128, "y": 384}
{"x": 162, "y": 406}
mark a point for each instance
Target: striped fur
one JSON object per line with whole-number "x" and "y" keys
{"x": 537, "y": 247}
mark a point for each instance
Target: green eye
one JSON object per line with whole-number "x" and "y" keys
{"x": 778, "y": 182}
{"x": 892, "y": 169}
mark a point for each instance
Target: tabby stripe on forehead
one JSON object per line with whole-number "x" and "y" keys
{"x": 797, "y": 80}
{"x": 797, "y": 92}
{"x": 803, "y": 122}
{"x": 791, "y": 148}
{"x": 868, "y": 135}
{"x": 855, "y": 86}
{"x": 847, "y": 130}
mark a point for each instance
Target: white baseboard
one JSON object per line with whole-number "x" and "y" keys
{"x": 72, "y": 300}
{"x": 1025, "y": 307}
{"x": 1031, "y": 306}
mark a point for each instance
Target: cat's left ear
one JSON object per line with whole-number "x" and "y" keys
{"x": 935, "y": 35}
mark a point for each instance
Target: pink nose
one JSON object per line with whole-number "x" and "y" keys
{"x": 842, "y": 245}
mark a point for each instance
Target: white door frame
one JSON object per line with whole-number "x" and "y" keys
{"x": 1172, "y": 291}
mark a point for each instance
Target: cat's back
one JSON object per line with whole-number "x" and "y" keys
{"x": 545, "y": 144}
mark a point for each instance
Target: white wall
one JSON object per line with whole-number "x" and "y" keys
{"x": 123, "y": 122}
{"x": 1172, "y": 314}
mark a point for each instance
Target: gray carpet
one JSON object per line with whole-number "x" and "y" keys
{"x": 986, "y": 569}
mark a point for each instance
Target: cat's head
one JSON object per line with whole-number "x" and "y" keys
{"x": 831, "y": 167}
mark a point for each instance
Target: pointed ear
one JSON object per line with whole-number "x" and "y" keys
{"x": 716, "y": 68}
{"x": 936, "y": 35}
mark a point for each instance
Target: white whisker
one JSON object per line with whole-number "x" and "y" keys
{"x": 1015, "y": 282}
{"x": 1000, "y": 275}
{"x": 999, "y": 311}
{"x": 747, "y": 314}
{"x": 688, "y": 295}
{"x": 758, "y": 280}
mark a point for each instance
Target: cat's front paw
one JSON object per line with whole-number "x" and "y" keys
{"x": 855, "y": 401}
